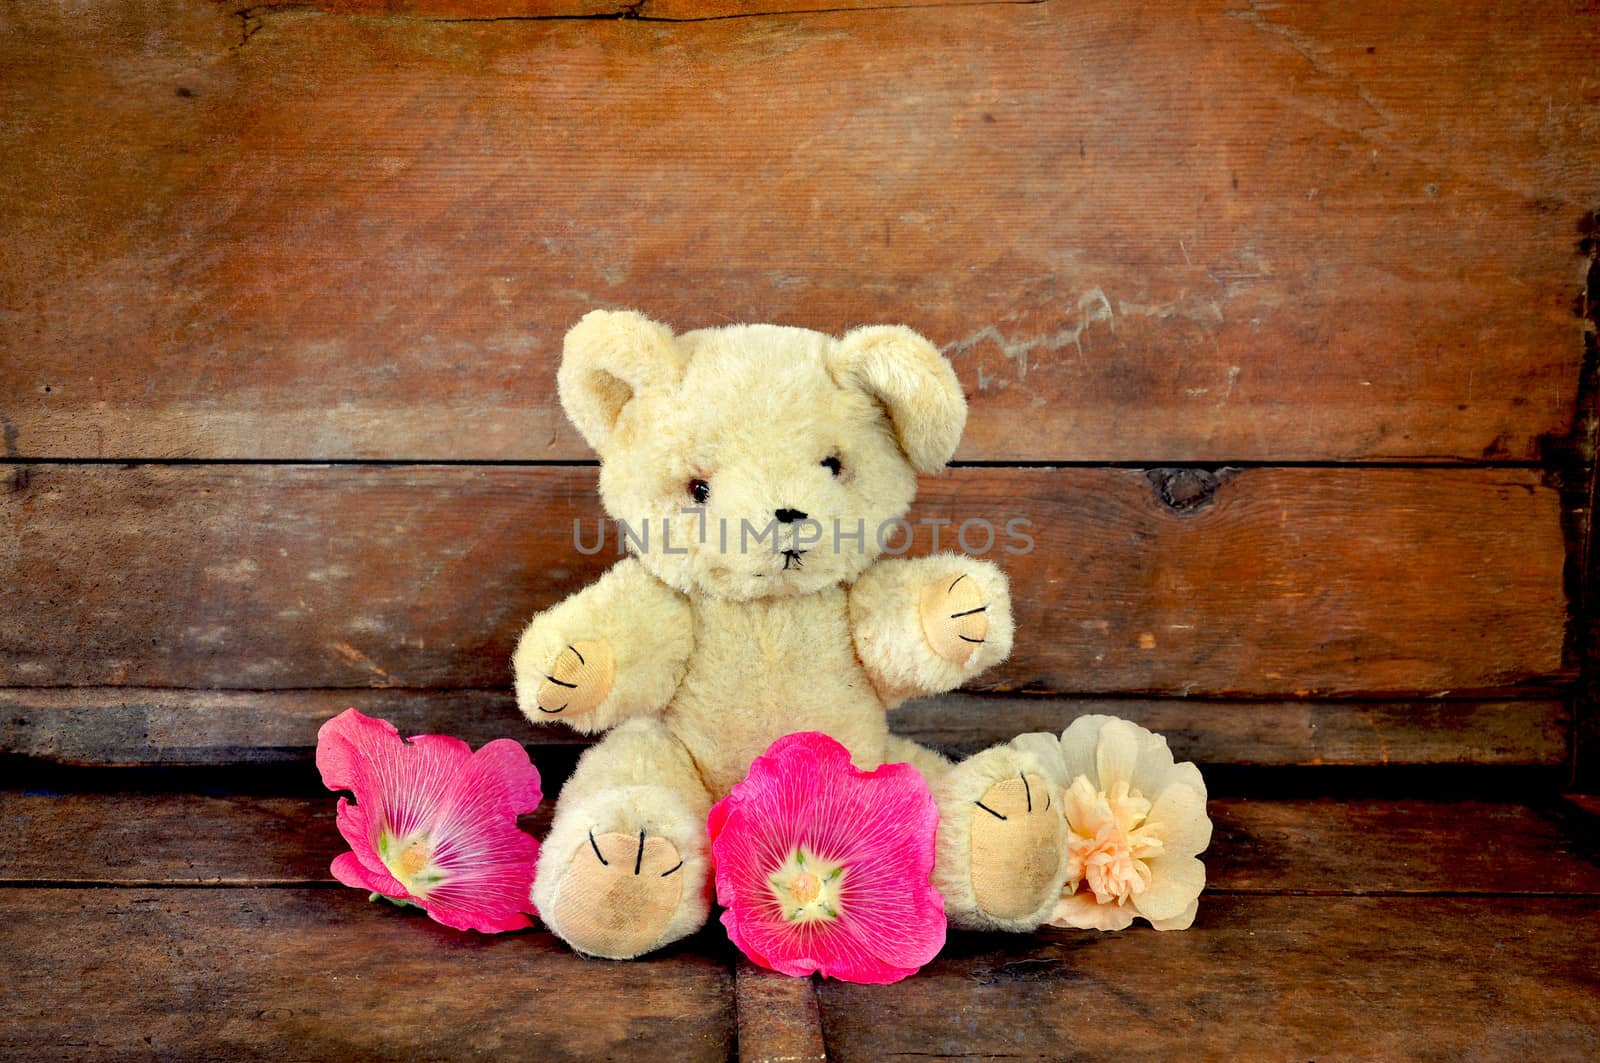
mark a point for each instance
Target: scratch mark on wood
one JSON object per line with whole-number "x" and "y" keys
{"x": 356, "y": 657}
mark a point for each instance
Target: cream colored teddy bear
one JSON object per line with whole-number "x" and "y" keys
{"x": 753, "y": 467}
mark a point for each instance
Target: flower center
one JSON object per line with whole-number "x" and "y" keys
{"x": 804, "y": 888}
{"x": 1109, "y": 867}
{"x": 807, "y": 887}
{"x": 1107, "y": 841}
{"x": 408, "y": 861}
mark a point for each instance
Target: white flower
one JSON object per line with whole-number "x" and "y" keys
{"x": 1136, "y": 823}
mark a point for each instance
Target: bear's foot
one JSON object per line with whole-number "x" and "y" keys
{"x": 623, "y": 872}
{"x": 1003, "y": 842}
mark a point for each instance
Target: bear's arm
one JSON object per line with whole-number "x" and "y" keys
{"x": 614, "y": 650}
{"x": 928, "y": 624}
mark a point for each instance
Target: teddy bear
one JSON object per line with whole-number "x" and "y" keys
{"x": 750, "y": 470}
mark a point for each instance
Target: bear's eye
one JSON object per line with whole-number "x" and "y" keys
{"x": 699, "y": 490}
{"x": 832, "y": 464}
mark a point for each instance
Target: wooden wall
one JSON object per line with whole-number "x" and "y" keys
{"x": 1273, "y": 319}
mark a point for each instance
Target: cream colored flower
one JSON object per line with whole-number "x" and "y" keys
{"x": 1136, "y": 823}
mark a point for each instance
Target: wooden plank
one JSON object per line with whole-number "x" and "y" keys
{"x": 139, "y": 726}
{"x": 1276, "y": 733}
{"x": 241, "y": 974}
{"x": 668, "y": 10}
{"x": 1286, "y": 977}
{"x": 1351, "y": 846}
{"x": 778, "y": 1017}
{"x": 1269, "y": 582}
{"x": 1585, "y": 557}
{"x": 1587, "y": 804}
{"x": 165, "y": 838}
{"x": 1212, "y": 232}
{"x": 1369, "y": 846}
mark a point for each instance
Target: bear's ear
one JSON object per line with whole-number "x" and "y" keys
{"x": 608, "y": 358}
{"x": 913, "y": 381}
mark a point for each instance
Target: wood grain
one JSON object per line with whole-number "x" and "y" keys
{"x": 137, "y": 726}
{"x": 239, "y": 973}
{"x": 324, "y": 974}
{"x": 1276, "y": 733}
{"x": 1351, "y": 846}
{"x": 778, "y": 1017}
{"x": 671, "y": 10}
{"x": 174, "y": 838}
{"x": 1211, "y": 232}
{"x": 1397, "y": 978}
{"x": 1505, "y": 963}
{"x": 1278, "y": 582}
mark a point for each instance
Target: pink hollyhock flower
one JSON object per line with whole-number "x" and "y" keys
{"x": 433, "y": 823}
{"x": 821, "y": 867}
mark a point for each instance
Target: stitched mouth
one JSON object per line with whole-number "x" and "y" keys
{"x": 793, "y": 558}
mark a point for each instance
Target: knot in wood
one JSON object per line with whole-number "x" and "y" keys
{"x": 1185, "y": 490}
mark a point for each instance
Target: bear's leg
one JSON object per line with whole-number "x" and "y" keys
{"x": 1002, "y": 846}
{"x": 624, "y": 868}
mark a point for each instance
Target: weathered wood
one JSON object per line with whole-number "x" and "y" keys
{"x": 232, "y": 972}
{"x": 671, "y": 10}
{"x": 1299, "y": 581}
{"x": 1587, "y": 804}
{"x": 323, "y": 974}
{"x": 1282, "y": 977}
{"x": 1350, "y": 846}
{"x": 161, "y": 838}
{"x": 1215, "y": 231}
{"x": 1361, "y": 845}
{"x": 239, "y": 973}
{"x": 1585, "y": 555}
{"x": 1304, "y": 733}
{"x": 778, "y": 1017}
{"x": 138, "y": 726}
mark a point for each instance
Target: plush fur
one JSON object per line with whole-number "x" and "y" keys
{"x": 710, "y": 642}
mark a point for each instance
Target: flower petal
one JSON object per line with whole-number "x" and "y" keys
{"x": 496, "y": 782}
{"x": 1188, "y": 775}
{"x": 340, "y": 745}
{"x": 1117, "y": 754}
{"x": 1078, "y": 745}
{"x": 1080, "y": 911}
{"x": 1182, "y": 921}
{"x": 400, "y": 783}
{"x": 361, "y": 834}
{"x": 1175, "y": 881}
{"x": 350, "y": 871}
{"x": 1181, "y": 815}
{"x": 1153, "y": 770}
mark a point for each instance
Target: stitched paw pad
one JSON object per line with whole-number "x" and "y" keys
{"x": 1017, "y": 838}
{"x": 618, "y": 894}
{"x": 955, "y": 617}
{"x": 577, "y": 680}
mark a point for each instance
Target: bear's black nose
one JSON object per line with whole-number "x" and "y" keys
{"x": 788, "y": 516}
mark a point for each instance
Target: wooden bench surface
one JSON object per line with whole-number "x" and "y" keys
{"x": 145, "y": 924}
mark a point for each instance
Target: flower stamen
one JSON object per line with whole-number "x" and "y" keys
{"x": 807, "y": 887}
{"x": 410, "y": 862}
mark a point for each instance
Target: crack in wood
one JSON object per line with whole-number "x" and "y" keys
{"x": 254, "y": 17}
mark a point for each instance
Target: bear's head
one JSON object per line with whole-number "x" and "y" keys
{"x": 758, "y": 460}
